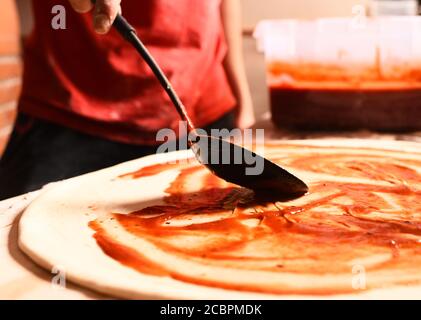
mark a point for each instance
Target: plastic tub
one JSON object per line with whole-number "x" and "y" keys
{"x": 344, "y": 73}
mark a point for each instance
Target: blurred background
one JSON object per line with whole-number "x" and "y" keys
{"x": 253, "y": 12}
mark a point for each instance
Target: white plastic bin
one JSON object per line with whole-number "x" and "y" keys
{"x": 344, "y": 72}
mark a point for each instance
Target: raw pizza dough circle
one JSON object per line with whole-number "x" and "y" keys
{"x": 54, "y": 231}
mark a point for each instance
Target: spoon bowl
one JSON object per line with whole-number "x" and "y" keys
{"x": 226, "y": 160}
{"x": 245, "y": 168}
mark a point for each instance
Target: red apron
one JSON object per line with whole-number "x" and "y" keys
{"x": 99, "y": 85}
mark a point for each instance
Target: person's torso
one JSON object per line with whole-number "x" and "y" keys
{"x": 102, "y": 79}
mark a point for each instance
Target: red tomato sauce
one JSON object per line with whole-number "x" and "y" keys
{"x": 340, "y": 222}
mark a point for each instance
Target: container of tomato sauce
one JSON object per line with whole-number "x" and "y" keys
{"x": 344, "y": 73}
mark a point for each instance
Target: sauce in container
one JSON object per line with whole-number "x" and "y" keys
{"x": 327, "y": 99}
{"x": 363, "y": 210}
{"x": 344, "y": 73}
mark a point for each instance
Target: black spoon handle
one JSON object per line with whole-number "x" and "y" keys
{"x": 129, "y": 33}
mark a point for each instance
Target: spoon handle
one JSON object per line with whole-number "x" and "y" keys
{"x": 129, "y": 33}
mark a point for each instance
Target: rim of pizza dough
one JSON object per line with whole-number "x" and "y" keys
{"x": 46, "y": 253}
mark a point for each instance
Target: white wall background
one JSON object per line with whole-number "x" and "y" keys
{"x": 255, "y": 10}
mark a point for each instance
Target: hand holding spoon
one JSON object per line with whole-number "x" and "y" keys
{"x": 273, "y": 181}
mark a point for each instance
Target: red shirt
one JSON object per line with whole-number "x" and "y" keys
{"x": 99, "y": 84}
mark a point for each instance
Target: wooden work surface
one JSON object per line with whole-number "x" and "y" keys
{"x": 20, "y": 278}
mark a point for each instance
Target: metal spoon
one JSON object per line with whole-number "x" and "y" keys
{"x": 273, "y": 181}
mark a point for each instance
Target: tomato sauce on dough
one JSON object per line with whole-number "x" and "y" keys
{"x": 369, "y": 215}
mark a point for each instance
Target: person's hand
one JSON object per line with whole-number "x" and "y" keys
{"x": 245, "y": 112}
{"x": 104, "y": 14}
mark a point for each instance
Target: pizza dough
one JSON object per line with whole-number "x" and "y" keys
{"x": 155, "y": 228}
